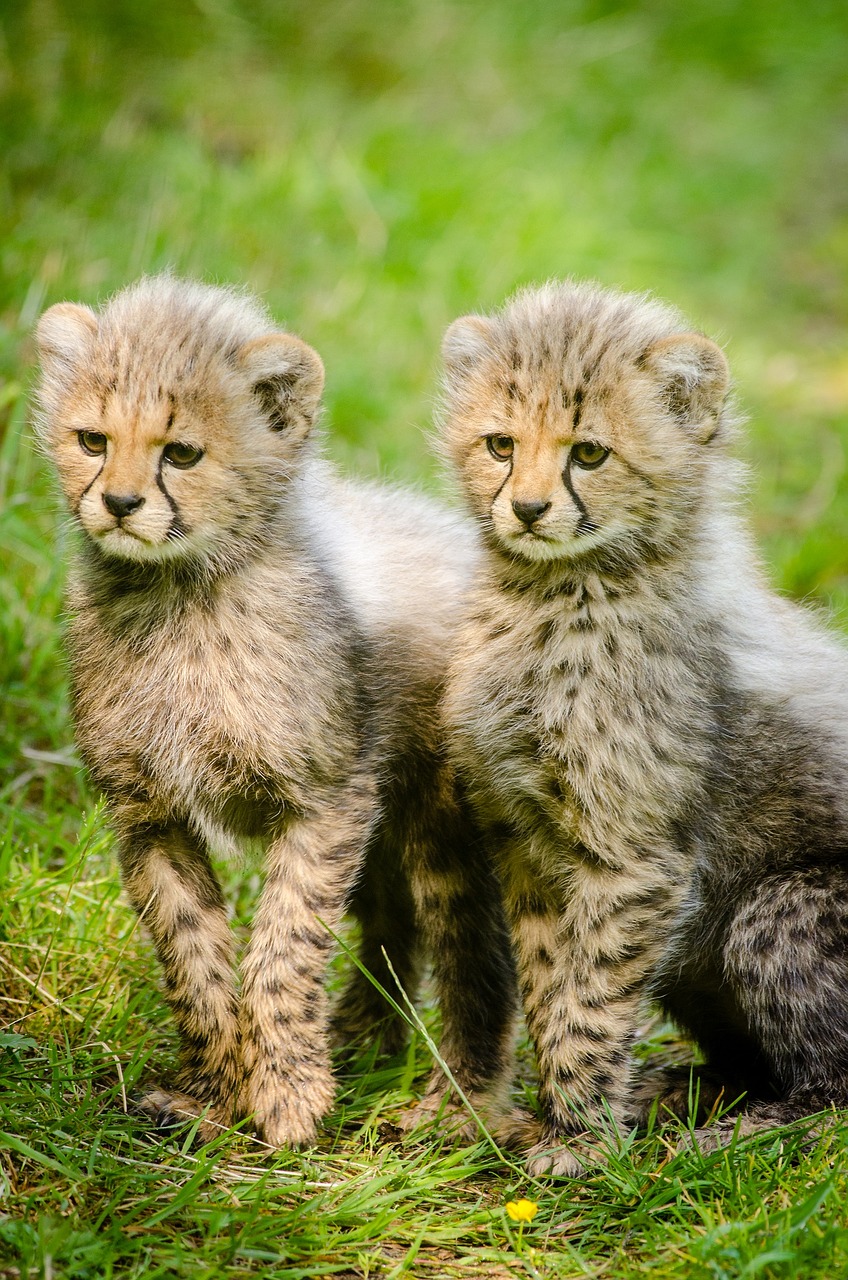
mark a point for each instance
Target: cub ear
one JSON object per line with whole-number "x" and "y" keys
{"x": 64, "y": 335}
{"x": 466, "y": 342}
{"x": 693, "y": 376}
{"x": 287, "y": 378}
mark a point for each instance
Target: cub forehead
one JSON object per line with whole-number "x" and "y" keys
{"x": 158, "y": 336}
{"x": 148, "y": 409}
{"x": 578, "y": 337}
{"x": 176, "y": 371}
{"x": 577, "y": 379}
{"x": 547, "y": 391}
{"x": 536, "y": 394}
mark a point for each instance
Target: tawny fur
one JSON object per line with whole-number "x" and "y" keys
{"x": 657, "y": 743}
{"x": 257, "y": 652}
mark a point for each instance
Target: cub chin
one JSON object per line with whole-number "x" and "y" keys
{"x": 657, "y": 742}
{"x": 257, "y": 652}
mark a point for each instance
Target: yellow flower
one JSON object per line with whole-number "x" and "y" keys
{"x": 522, "y": 1210}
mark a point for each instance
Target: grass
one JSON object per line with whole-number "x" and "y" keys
{"x": 374, "y": 170}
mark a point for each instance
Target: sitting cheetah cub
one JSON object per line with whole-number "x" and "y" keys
{"x": 257, "y": 653}
{"x": 658, "y": 743}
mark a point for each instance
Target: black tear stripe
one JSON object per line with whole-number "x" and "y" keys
{"x": 178, "y": 526}
{"x": 585, "y": 524}
{"x": 90, "y": 484}
{"x": 502, "y": 485}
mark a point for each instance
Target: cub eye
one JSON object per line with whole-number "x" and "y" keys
{"x": 92, "y": 442}
{"x": 500, "y": 447}
{"x": 182, "y": 455}
{"x": 587, "y": 454}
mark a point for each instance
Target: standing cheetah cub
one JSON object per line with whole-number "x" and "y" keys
{"x": 257, "y": 653}
{"x": 658, "y": 743}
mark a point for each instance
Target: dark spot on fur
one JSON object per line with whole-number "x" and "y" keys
{"x": 530, "y": 904}
{"x": 185, "y": 921}
{"x": 577, "y": 400}
{"x": 610, "y": 644}
{"x": 546, "y": 632}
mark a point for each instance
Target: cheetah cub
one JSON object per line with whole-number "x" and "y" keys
{"x": 656, "y": 741}
{"x": 257, "y": 653}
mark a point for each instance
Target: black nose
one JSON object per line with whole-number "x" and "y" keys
{"x": 528, "y": 512}
{"x": 122, "y": 504}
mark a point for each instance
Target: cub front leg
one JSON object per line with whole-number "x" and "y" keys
{"x": 311, "y": 870}
{"x": 171, "y": 884}
{"x": 586, "y": 947}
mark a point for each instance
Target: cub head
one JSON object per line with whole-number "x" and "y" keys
{"x": 581, "y": 422}
{"x": 175, "y": 417}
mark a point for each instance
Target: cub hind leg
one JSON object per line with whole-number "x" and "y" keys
{"x": 735, "y": 1070}
{"x": 685, "y": 1092}
{"x": 462, "y": 920}
{"x": 383, "y": 905}
{"x": 786, "y": 960}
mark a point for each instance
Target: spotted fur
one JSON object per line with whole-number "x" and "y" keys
{"x": 657, "y": 743}
{"x": 257, "y": 652}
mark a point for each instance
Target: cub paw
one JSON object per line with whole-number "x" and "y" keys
{"x": 286, "y": 1113}
{"x": 440, "y": 1107}
{"x": 719, "y": 1134}
{"x": 554, "y": 1158}
{"x": 170, "y": 1109}
{"x": 517, "y": 1130}
{"x": 707, "y": 1140}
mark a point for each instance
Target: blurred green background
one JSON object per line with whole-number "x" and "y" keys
{"x": 375, "y": 167}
